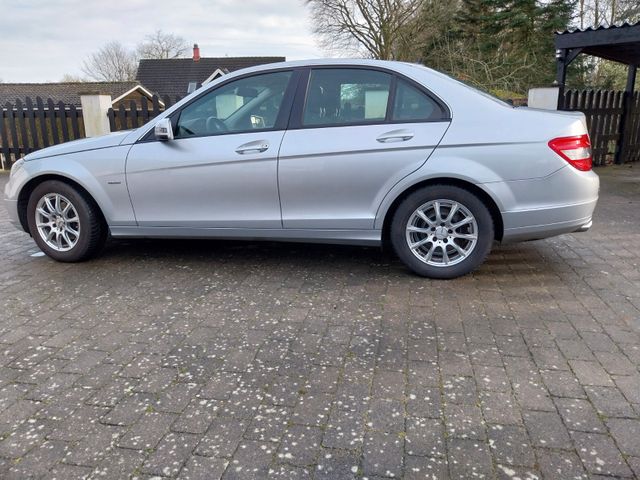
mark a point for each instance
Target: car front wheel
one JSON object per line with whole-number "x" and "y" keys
{"x": 442, "y": 231}
{"x": 65, "y": 224}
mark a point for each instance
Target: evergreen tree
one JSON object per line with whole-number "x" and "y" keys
{"x": 502, "y": 45}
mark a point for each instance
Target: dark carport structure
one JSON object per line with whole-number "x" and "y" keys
{"x": 620, "y": 43}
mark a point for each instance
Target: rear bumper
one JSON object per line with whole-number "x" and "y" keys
{"x": 538, "y": 208}
{"x": 585, "y": 227}
{"x": 544, "y": 230}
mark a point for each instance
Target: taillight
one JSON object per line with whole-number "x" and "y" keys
{"x": 575, "y": 150}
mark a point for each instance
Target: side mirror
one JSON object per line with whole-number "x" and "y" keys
{"x": 163, "y": 130}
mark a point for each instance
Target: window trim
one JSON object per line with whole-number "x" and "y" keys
{"x": 297, "y": 113}
{"x": 281, "y": 121}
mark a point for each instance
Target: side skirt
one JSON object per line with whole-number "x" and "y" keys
{"x": 347, "y": 237}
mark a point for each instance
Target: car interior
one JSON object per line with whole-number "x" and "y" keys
{"x": 247, "y": 104}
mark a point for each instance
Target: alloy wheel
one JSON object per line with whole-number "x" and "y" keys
{"x": 57, "y": 222}
{"x": 442, "y": 233}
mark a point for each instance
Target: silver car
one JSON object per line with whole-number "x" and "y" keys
{"x": 335, "y": 151}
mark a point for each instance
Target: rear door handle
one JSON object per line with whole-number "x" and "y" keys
{"x": 395, "y": 136}
{"x": 258, "y": 146}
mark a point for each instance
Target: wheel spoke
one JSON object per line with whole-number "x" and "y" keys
{"x": 452, "y": 212}
{"x": 72, "y": 231}
{"x": 66, "y": 238}
{"x": 419, "y": 243}
{"x": 424, "y": 217}
{"x": 445, "y": 255}
{"x": 418, "y": 229}
{"x": 462, "y": 252}
{"x": 57, "y": 204}
{"x": 464, "y": 236}
{"x": 462, "y": 222}
{"x": 50, "y": 207}
{"x": 73, "y": 220}
{"x": 43, "y": 212}
{"x": 436, "y": 209}
{"x": 430, "y": 252}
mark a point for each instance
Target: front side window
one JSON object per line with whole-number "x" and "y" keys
{"x": 346, "y": 96}
{"x": 243, "y": 105}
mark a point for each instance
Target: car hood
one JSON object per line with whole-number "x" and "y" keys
{"x": 83, "y": 145}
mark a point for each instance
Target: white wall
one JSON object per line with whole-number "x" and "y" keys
{"x": 94, "y": 114}
{"x": 545, "y": 98}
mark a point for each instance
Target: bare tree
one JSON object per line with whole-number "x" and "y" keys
{"x": 374, "y": 28}
{"x": 112, "y": 63}
{"x": 609, "y": 12}
{"x": 162, "y": 45}
{"x": 71, "y": 78}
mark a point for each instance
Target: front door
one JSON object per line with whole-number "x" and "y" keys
{"x": 359, "y": 133}
{"x": 220, "y": 170}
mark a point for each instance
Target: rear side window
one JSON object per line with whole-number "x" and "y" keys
{"x": 413, "y": 105}
{"x": 346, "y": 96}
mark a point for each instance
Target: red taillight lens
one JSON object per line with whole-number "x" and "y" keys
{"x": 575, "y": 150}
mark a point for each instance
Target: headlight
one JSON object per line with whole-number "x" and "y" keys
{"x": 16, "y": 167}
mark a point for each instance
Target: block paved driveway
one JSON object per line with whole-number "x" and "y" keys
{"x": 244, "y": 360}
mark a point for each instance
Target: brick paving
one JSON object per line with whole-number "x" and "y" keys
{"x": 194, "y": 359}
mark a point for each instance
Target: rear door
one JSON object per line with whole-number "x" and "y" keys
{"x": 354, "y": 133}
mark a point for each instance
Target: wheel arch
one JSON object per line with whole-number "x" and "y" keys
{"x": 490, "y": 203}
{"x": 29, "y": 187}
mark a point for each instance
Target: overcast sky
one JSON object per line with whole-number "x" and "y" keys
{"x": 41, "y": 40}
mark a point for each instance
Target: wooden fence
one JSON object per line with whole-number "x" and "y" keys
{"x": 604, "y": 110}
{"x": 139, "y": 112}
{"x": 34, "y": 125}
{"x": 631, "y": 150}
{"x": 31, "y": 126}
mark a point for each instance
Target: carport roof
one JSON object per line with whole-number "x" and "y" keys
{"x": 620, "y": 43}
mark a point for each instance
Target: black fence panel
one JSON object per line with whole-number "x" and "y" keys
{"x": 27, "y": 127}
{"x": 631, "y": 150}
{"x": 138, "y": 112}
{"x": 604, "y": 110}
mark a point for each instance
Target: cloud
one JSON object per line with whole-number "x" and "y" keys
{"x": 44, "y": 39}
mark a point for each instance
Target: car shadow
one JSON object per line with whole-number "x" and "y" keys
{"x": 254, "y": 254}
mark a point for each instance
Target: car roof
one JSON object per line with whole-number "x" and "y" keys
{"x": 390, "y": 64}
{"x": 452, "y": 93}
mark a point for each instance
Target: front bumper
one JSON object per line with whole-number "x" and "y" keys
{"x": 12, "y": 209}
{"x": 11, "y": 192}
{"x": 11, "y": 205}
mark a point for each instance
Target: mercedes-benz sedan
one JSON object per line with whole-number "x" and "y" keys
{"x": 337, "y": 151}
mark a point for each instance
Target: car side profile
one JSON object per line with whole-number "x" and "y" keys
{"x": 335, "y": 151}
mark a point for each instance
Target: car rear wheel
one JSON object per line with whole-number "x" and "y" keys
{"x": 65, "y": 224}
{"x": 442, "y": 231}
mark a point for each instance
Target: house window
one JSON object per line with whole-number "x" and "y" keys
{"x": 192, "y": 87}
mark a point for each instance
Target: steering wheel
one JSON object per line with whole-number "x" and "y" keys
{"x": 215, "y": 125}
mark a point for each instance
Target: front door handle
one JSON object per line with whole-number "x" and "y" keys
{"x": 258, "y": 146}
{"x": 395, "y": 136}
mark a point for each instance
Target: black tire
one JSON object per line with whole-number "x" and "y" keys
{"x": 93, "y": 230}
{"x": 404, "y": 213}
